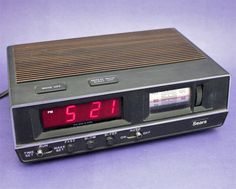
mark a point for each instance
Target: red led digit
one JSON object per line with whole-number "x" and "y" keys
{"x": 70, "y": 113}
{"x": 94, "y": 112}
{"x": 113, "y": 107}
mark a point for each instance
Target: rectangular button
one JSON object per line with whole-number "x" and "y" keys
{"x": 104, "y": 80}
{"x": 50, "y": 88}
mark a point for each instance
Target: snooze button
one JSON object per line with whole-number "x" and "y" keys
{"x": 40, "y": 89}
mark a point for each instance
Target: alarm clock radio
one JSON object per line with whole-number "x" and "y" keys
{"x": 80, "y": 95}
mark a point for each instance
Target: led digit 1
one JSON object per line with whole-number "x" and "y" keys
{"x": 70, "y": 113}
{"x": 94, "y": 112}
{"x": 113, "y": 106}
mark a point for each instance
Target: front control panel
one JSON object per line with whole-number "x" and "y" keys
{"x": 153, "y": 130}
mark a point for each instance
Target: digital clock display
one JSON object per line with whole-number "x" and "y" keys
{"x": 80, "y": 114}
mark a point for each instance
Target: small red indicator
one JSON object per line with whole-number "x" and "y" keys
{"x": 80, "y": 113}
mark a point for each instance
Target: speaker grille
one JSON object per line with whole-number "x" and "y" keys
{"x": 71, "y": 57}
